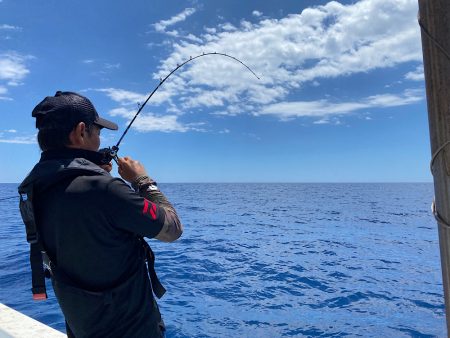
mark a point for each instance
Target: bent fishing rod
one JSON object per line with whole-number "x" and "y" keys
{"x": 110, "y": 153}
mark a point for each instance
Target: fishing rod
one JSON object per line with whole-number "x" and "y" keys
{"x": 110, "y": 153}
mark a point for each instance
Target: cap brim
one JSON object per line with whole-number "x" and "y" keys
{"x": 106, "y": 124}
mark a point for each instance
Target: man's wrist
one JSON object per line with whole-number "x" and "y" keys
{"x": 141, "y": 178}
{"x": 143, "y": 182}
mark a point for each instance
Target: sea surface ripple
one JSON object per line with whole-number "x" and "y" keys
{"x": 279, "y": 260}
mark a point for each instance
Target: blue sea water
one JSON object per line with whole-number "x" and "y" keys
{"x": 279, "y": 260}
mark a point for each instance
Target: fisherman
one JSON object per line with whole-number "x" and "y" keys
{"x": 91, "y": 225}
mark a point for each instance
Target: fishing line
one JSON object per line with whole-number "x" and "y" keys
{"x": 111, "y": 152}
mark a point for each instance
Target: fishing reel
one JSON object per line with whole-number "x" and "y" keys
{"x": 109, "y": 154}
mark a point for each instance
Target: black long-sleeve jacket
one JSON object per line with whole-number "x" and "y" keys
{"x": 90, "y": 224}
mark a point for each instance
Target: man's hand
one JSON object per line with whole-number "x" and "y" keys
{"x": 107, "y": 167}
{"x": 129, "y": 169}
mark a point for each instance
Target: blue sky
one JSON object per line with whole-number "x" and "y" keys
{"x": 341, "y": 96}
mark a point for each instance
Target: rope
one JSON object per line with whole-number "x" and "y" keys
{"x": 432, "y": 38}
{"x": 436, "y": 153}
{"x": 438, "y": 217}
{"x": 436, "y": 214}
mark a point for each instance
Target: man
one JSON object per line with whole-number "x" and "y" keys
{"x": 91, "y": 225}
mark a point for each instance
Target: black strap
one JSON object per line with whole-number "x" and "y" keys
{"x": 37, "y": 265}
{"x": 158, "y": 288}
{"x": 27, "y": 213}
{"x": 37, "y": 273}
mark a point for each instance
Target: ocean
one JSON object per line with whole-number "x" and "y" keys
{"x": 278, "y": 260}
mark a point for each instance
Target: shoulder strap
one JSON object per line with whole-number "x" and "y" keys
{"x": 157, "y": 287}
{"x": 37, "y": 268}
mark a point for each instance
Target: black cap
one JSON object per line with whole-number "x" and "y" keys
{"x": 69, "y": 108}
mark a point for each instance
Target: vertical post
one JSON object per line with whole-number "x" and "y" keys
{"x": 435, "y": 17}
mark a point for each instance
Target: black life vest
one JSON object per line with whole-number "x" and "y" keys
{"x": 42, "y": 266}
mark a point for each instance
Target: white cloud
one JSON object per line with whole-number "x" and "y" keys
{"x": 126, "y": 97}
{"x": 207, "y": 98}
{"x": 163, "y": 24}
{"x": 19, "y": 139}
{"x": 122, "y": 96}
{"x": 210, "y": 30}
{"x": 416, "y": 75}
{"x": 146, "y": 122}
{"x": 246, "y": 25}
{"x": 322, "y": 121}
{"x": 111, "y": 65}
{"x": 154, "y": 44}
{"x": 173, "y": 33}
{"x": 13, "y": 68}
{"x": 323, "y": 109}
{"x": 166, "y": 123}
{"x": 227, "y": 27}
{"x": 257, "y": 13}
{"x": 193, "y": 38}
{"x": 88, "y": 61}
{"x": 6, "y": 30}
{"x": 10, "y": 27}
{"x": 306, "y": 49}
{"x": 123, "y": 112}
{"x": 328, "y": 41}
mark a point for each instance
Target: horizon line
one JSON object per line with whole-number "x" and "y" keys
{"x": 290, "y": 182}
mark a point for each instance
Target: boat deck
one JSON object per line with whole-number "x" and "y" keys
{"x": 15, "y": 324}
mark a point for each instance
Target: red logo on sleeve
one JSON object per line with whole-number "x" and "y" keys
{"x": 149, "y": 208}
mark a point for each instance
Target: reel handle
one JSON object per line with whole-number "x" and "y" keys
{"x": 109, "y": 154}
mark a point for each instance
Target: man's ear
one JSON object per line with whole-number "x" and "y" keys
{"x": 77, "y": 135}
